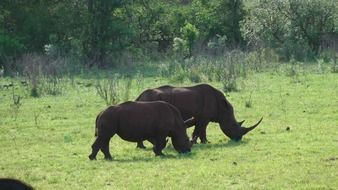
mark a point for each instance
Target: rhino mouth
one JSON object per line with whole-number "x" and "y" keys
{"x": 236, "y": 139}
{"x": 184, "y": 151}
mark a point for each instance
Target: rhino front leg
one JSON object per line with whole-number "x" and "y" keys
{"x": 159, "y": 145}
{"x": 140, "y": 145}
{"x": 200, "y": 131}
{"x": 203, "y": 134}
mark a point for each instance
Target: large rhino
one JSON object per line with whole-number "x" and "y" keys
{"x": 139, "y": 121}
{"x": 204, "y": 103}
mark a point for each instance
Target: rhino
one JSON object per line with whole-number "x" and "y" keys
{"x": 205, "y": 104}
{"x": 14, "y": 184}
{"x": 139, "y": 121}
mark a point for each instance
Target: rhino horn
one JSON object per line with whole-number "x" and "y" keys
{"x": 246, "y": 130}
{"x": 190, "y": 122}
{"x": 241, "y": 123}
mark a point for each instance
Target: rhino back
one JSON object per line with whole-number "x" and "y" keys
{"x": 143, "y": 120}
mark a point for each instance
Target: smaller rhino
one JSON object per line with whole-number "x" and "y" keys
{"x": 13, "y": 184}
{"x": 139, "y": 121}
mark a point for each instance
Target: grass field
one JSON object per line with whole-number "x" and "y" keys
{"x": 46, "y": 141}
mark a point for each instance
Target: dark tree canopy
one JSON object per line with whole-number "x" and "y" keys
{"x": 99, "y": 31}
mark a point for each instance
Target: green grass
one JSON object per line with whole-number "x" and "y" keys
{"x": 48, "y": 142}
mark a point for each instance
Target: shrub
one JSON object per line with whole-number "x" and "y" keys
{"x": 107, "y": 89}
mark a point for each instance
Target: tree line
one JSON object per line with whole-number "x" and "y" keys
{"x": 98, "y": 31}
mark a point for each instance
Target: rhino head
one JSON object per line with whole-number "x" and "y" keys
{"x": 230, "y": 127}
{"x": 180, "y": 139}
{"x": 181, "y": 144}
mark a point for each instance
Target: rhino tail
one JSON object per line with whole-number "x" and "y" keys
{"x": 96, "y": 127}
{"x": 95, "y": 132}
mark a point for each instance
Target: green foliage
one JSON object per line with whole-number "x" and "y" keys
{"x": 189, "y": 34}
{"x": 104, "y": 30}
{"x": 114, "y": 33}
{"x": 218, "y": 17}
{"x": 294, "y": 28}
{"x": 9, "y": 47}
{"x": 180, "y": 47}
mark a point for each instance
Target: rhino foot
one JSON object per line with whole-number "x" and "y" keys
{"x": 91, "y": 157}
{"x": 159, "y": 154}
{"x": 141, "y": 146}
{"x": 205, "y": 142}
{"x": 108, "y": 158}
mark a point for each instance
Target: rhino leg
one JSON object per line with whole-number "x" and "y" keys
{"x": 203, "y": 135}
{"x": 95, "y": 148}
{"x": 140, "y": 145}
{"x": 103, "y": 144}
{"x": 105, "y": 148}
{"x": 200, "y": 131}
{"x": 159, "y": 144}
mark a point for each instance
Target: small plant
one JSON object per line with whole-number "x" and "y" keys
{"x": 2, "y": 71}
{"x": 320, "y": 63}
{"x": 248, "y": 103}
{"x": 15, "y": 106}
{"x": 178, "y": 73}
{"x": 37, "y": 114}
{"x": 114, "y": 90}
{"x": 139, "y": 81}
{"x": 228, "y": 79}
{"x": 229, "y": 85}
{"x": 195, "y": 75}
{"x": 34, "y": 92}
{"x": 107, "y": 89}
{"x": 126, "y": 88}
{"x": 283, "y": 104}
{"x": 334, "y": 66}
{"x": 293, "y": 71}
{"x": 52, "y": 85}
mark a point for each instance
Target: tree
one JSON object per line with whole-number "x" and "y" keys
{"x": 292, "y": 27}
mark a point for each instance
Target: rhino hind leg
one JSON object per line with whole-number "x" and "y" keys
{"x": 95, "y": 148}
{"x": 103, "y": 144}
{"x": 105, "y": 149}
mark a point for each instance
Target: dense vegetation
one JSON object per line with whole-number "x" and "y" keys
{"x": 106, "y": 32}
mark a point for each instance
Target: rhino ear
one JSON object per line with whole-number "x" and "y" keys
{"x": 227, "y": 103}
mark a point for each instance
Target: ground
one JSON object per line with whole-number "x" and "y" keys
{"x": 45, "y": 141}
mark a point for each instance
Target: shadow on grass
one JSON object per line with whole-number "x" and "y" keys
{"x": 173, "y": 155}
{"x": 229, "y": 144}
{"x": 154, "y": 158}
